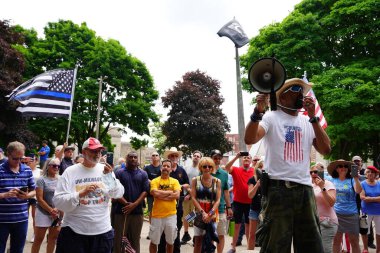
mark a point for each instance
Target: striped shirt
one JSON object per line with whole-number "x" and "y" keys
{"x": 14, "y": 210}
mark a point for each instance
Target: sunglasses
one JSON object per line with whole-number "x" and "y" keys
{"x": 294, "y": 88}
{"x": 54, "y": 165}
{"x": 207, "y": 166}
{"x": 313, "y": 172}
{"x": 17, "y": 158}
{"x": 154, "y": 155}
{"x": 342, "y": 166}
{"x": 96, "y": 151}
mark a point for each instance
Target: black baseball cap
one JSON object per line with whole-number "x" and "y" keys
{"x": 216, "y": 152}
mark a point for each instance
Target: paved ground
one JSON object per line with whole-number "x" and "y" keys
{"x": 145, "y": 243}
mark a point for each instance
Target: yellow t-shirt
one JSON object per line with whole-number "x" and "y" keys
{"x": 164, "y": 208}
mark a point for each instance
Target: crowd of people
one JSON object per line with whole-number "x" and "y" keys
{"x": 281, "y": 202}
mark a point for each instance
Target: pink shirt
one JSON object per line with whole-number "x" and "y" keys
{"x": 325, "y": 211}
{"x": 241, "y": 177}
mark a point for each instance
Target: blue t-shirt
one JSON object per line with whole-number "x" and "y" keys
{"x": 372, "y": 208}
{"x": 345, "y": 196}
{"x": 45, "y": 149}
{"x": 135, "y": 182}
{"x": 223, "y": 177}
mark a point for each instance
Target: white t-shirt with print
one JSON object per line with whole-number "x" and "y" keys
{"x": 287, "y": 143}
{"x": 88, "y": 215}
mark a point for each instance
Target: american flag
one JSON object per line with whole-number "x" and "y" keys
{"x": 46, "y": 95}
{"x": 318, "y": 110}
{"x": 292, "y": 148}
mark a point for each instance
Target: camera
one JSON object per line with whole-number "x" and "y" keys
{"x": 244, "y": 153}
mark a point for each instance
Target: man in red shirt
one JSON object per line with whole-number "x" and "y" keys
{"x": 241, "y": 202}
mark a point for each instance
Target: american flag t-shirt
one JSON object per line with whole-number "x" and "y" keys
{"x": 293, "y": 151}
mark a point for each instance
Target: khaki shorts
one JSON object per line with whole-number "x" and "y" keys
{"x": 221, "y": 229}
{"x": 188, "y": 207}
{"x": 168, "y": 225}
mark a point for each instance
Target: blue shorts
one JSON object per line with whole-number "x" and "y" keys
{"x": 253, "y": 215}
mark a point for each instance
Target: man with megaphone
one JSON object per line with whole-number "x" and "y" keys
{"x": 288, "y": 205}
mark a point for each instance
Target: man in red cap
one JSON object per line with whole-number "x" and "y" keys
{"x": 83, "y": 193}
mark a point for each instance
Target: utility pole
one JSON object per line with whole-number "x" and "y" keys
{"x": 100, "y": 79}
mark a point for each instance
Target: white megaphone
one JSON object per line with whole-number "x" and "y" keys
{"x": 267, "y": 75}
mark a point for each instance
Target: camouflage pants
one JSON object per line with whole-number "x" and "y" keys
{"x": 289, "y": 213}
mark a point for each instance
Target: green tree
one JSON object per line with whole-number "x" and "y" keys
{"x": 128, "y": 93}
{"x": 337, "y": 43}
{"x": 158, "y": 138}
{"x": 12, "y": 127}
{"x": 196, "y": 120}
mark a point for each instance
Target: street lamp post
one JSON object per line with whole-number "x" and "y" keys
{"x": 100, "y": 79}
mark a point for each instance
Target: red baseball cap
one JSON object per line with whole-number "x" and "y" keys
{"x": 92, "y": 143}
{"x": 373, "y": 168}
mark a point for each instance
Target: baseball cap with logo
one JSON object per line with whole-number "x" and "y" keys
{"x": 92, "y": 143}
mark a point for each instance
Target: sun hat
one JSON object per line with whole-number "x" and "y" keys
{"x": 332, "y": 166}
{"x": 172, "y": 150}
{"x": 291, "y": 82}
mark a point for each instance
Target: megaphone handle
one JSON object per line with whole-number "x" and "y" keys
{"x": 273, "y": 100}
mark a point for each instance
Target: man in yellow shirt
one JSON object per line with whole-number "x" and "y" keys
{"x": 165, "y": 191}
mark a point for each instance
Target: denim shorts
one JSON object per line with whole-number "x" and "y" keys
{"x": 253, "y": 215}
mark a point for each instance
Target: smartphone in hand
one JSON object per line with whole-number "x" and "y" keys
{"x": 23, "y": 190}
{"x": 354, "y": 170}
{"x": 244, "y": 153}
{"x": 321, "y": 175}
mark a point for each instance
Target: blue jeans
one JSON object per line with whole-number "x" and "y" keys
{"x": 18, "y": 232}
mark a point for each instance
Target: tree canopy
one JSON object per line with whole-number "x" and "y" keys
{"x": 195, "y": 120}
{"x": 128, "y": 90}
{"x": 12, "y": 127}
{"x": 337, "y": 43}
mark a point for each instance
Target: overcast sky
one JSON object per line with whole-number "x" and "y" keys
{"x": 171, "y": 37}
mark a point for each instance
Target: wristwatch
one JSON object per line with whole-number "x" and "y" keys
{"x": 314, "y": 119}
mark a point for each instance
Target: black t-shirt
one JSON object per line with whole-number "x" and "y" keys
{"x": 65, "y": 163}
{"x": 152, "y": 171}
{"x": 256, "y": 200}
{"x": 181, "y": 175}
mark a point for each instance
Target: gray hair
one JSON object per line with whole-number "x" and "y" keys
{"x": 15, "y": 146}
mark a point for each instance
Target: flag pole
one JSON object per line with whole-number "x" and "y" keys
{"x": 72, "y": 102}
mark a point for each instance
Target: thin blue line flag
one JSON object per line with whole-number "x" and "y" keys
{"x": 46, "y": 95}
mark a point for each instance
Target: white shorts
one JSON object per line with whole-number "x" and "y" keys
{"x": 221, "y": 229}
{"x": 167, "y": 225}
{"x": 376, "y": 220}
{"x": 42, "y": 220}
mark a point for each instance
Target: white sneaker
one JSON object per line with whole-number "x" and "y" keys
{"x": 32, "y": 239}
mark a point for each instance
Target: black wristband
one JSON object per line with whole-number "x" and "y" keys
{"x": 314, "y": 119}
{"x": 256, "y": 117}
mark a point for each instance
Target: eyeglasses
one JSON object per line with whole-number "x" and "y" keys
{"x": 342, "y": 166}
{"x": 207, "y": 166}
{"x": 294, "y": 88}
{"x": 313, "y": 172}
{"x": 54, "y": 165}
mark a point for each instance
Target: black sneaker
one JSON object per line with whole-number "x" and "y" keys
{"x": 185, "y": 238}
{"x": 372, "y": 246}
{"x": 238, "y": 243}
